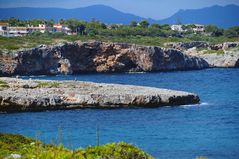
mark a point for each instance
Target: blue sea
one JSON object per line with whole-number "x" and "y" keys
{"x": 209, "y": 129}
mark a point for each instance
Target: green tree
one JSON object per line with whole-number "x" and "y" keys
{"x": 103, "y": 26}
{"x": 232, "y": 32}
{"x": 13, "y": 21}
{"x": 210, "y": 28}
{"x": 133, "y": 24}
{"x": 93, "y": 27}
{"x": 188, "y": 28}
{"x": 165, "y": 27}
{"x": 72, "y": 24}
{"x": 62, "y": 21}
{"x": 36, "y": 22}
{"x": 218, "y": 32}
{"x": 214, "y": 30}
{"x": 114, "y": 26}
{"x": 49, "y": 22}
{"x": 81, "y": 26}
{"x": 155, "y": 26}
{"x": 144, "y": 24}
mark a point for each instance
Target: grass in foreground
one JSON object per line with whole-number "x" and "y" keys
{"x": 17, "y": 145}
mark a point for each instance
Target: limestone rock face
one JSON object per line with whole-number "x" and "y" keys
{"x": 32, "y": 95}
{"x": 187, "y": 45}
{"x": 228, "y": 58}
{"x": 95, "y": 56}
{"x": 201, "y": 44}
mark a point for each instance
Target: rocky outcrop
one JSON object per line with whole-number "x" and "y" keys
{"x": 226, "y": 60}
{"x": 217, "y": 55}
{"x": 224, "y": 46}
{"x": 223, "y": 59}
{"x": 187, "y": 45}
{"x": 29, "y": 95}
{"x": 201, "y": 44}
{"x": 237, "y": 63}
{"x": 95, "y": 56}
{"x": 229, "y": 45}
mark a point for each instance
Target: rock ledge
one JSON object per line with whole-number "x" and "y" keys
{"x": 35, "y": 95}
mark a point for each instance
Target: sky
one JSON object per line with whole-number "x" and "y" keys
{"x": 156, "y": 9}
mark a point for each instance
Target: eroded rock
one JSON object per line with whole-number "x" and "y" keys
{"x": 76, "y": 94}
{"x": 95, "y": 56}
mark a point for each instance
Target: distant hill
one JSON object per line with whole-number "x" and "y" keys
{"x": 221, "y": 16}
{"x": 100, "y": 12}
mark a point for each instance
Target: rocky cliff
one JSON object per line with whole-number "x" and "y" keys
{"x": 225, "y": 60}
{"x": 95, "y": 56}
{"x": 217, "y": 55}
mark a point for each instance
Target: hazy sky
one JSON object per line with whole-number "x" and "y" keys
{"x": 156, "y": 9}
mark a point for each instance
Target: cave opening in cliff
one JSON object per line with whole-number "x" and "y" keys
{"x": 59, "y": 65}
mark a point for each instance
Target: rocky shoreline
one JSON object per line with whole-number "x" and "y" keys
{"x": 224, "y": 55}
{"x": 36, "y": 95}
{"x": 95, "y": 56}
{"x": 106, "y": 57}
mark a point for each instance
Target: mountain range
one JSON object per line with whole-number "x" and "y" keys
{"x": 222, "y": 16}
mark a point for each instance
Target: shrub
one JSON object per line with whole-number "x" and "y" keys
{"x": 47, "y": 84}
{"x": 29, "y": 148}
{"x": 3, "y": 84}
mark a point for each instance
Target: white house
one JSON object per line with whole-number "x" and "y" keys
{"x": 17, "y": 31}
{"x": 199, "y": 28}
{"x": 61, "y": 28}
{"x": 40, "y": 28}
{"x": 195, "y": 27}
{"x": 178, "y": 28}
{"x": 4, "y": 29}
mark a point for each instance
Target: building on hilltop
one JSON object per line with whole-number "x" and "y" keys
{"x": 13, "y": 31}
{"x": 61, "y": 28}
{"x": 17, "y": 31}
{"x": 196, "y": 28}
{"x": 178, "y": 28}
{"x": 40, "y": 28}
{"x": 4, "y": 29}
{"x": 199, "y": 28}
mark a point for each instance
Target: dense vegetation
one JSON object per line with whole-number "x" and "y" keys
{"x": 17, "y": 145}
{"x": 136, "y": 32}
{"x": 35, "y": 39}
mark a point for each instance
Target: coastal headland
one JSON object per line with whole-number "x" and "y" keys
{"x": 40, "y": 95}
{"x": 95, "y": 56}
{"x": 108, "y": 57}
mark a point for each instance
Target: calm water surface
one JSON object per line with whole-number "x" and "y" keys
{"x": 210, "y": 129}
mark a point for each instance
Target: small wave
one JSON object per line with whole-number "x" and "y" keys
{"x": 135, "y": 72}
{"x": 196, "y": 105}
{"x": 204, "y": 103}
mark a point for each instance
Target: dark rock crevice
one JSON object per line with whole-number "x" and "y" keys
{"x": 237, "y": 63}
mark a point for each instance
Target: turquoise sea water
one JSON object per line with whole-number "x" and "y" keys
{"x": 209, "y": 129}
